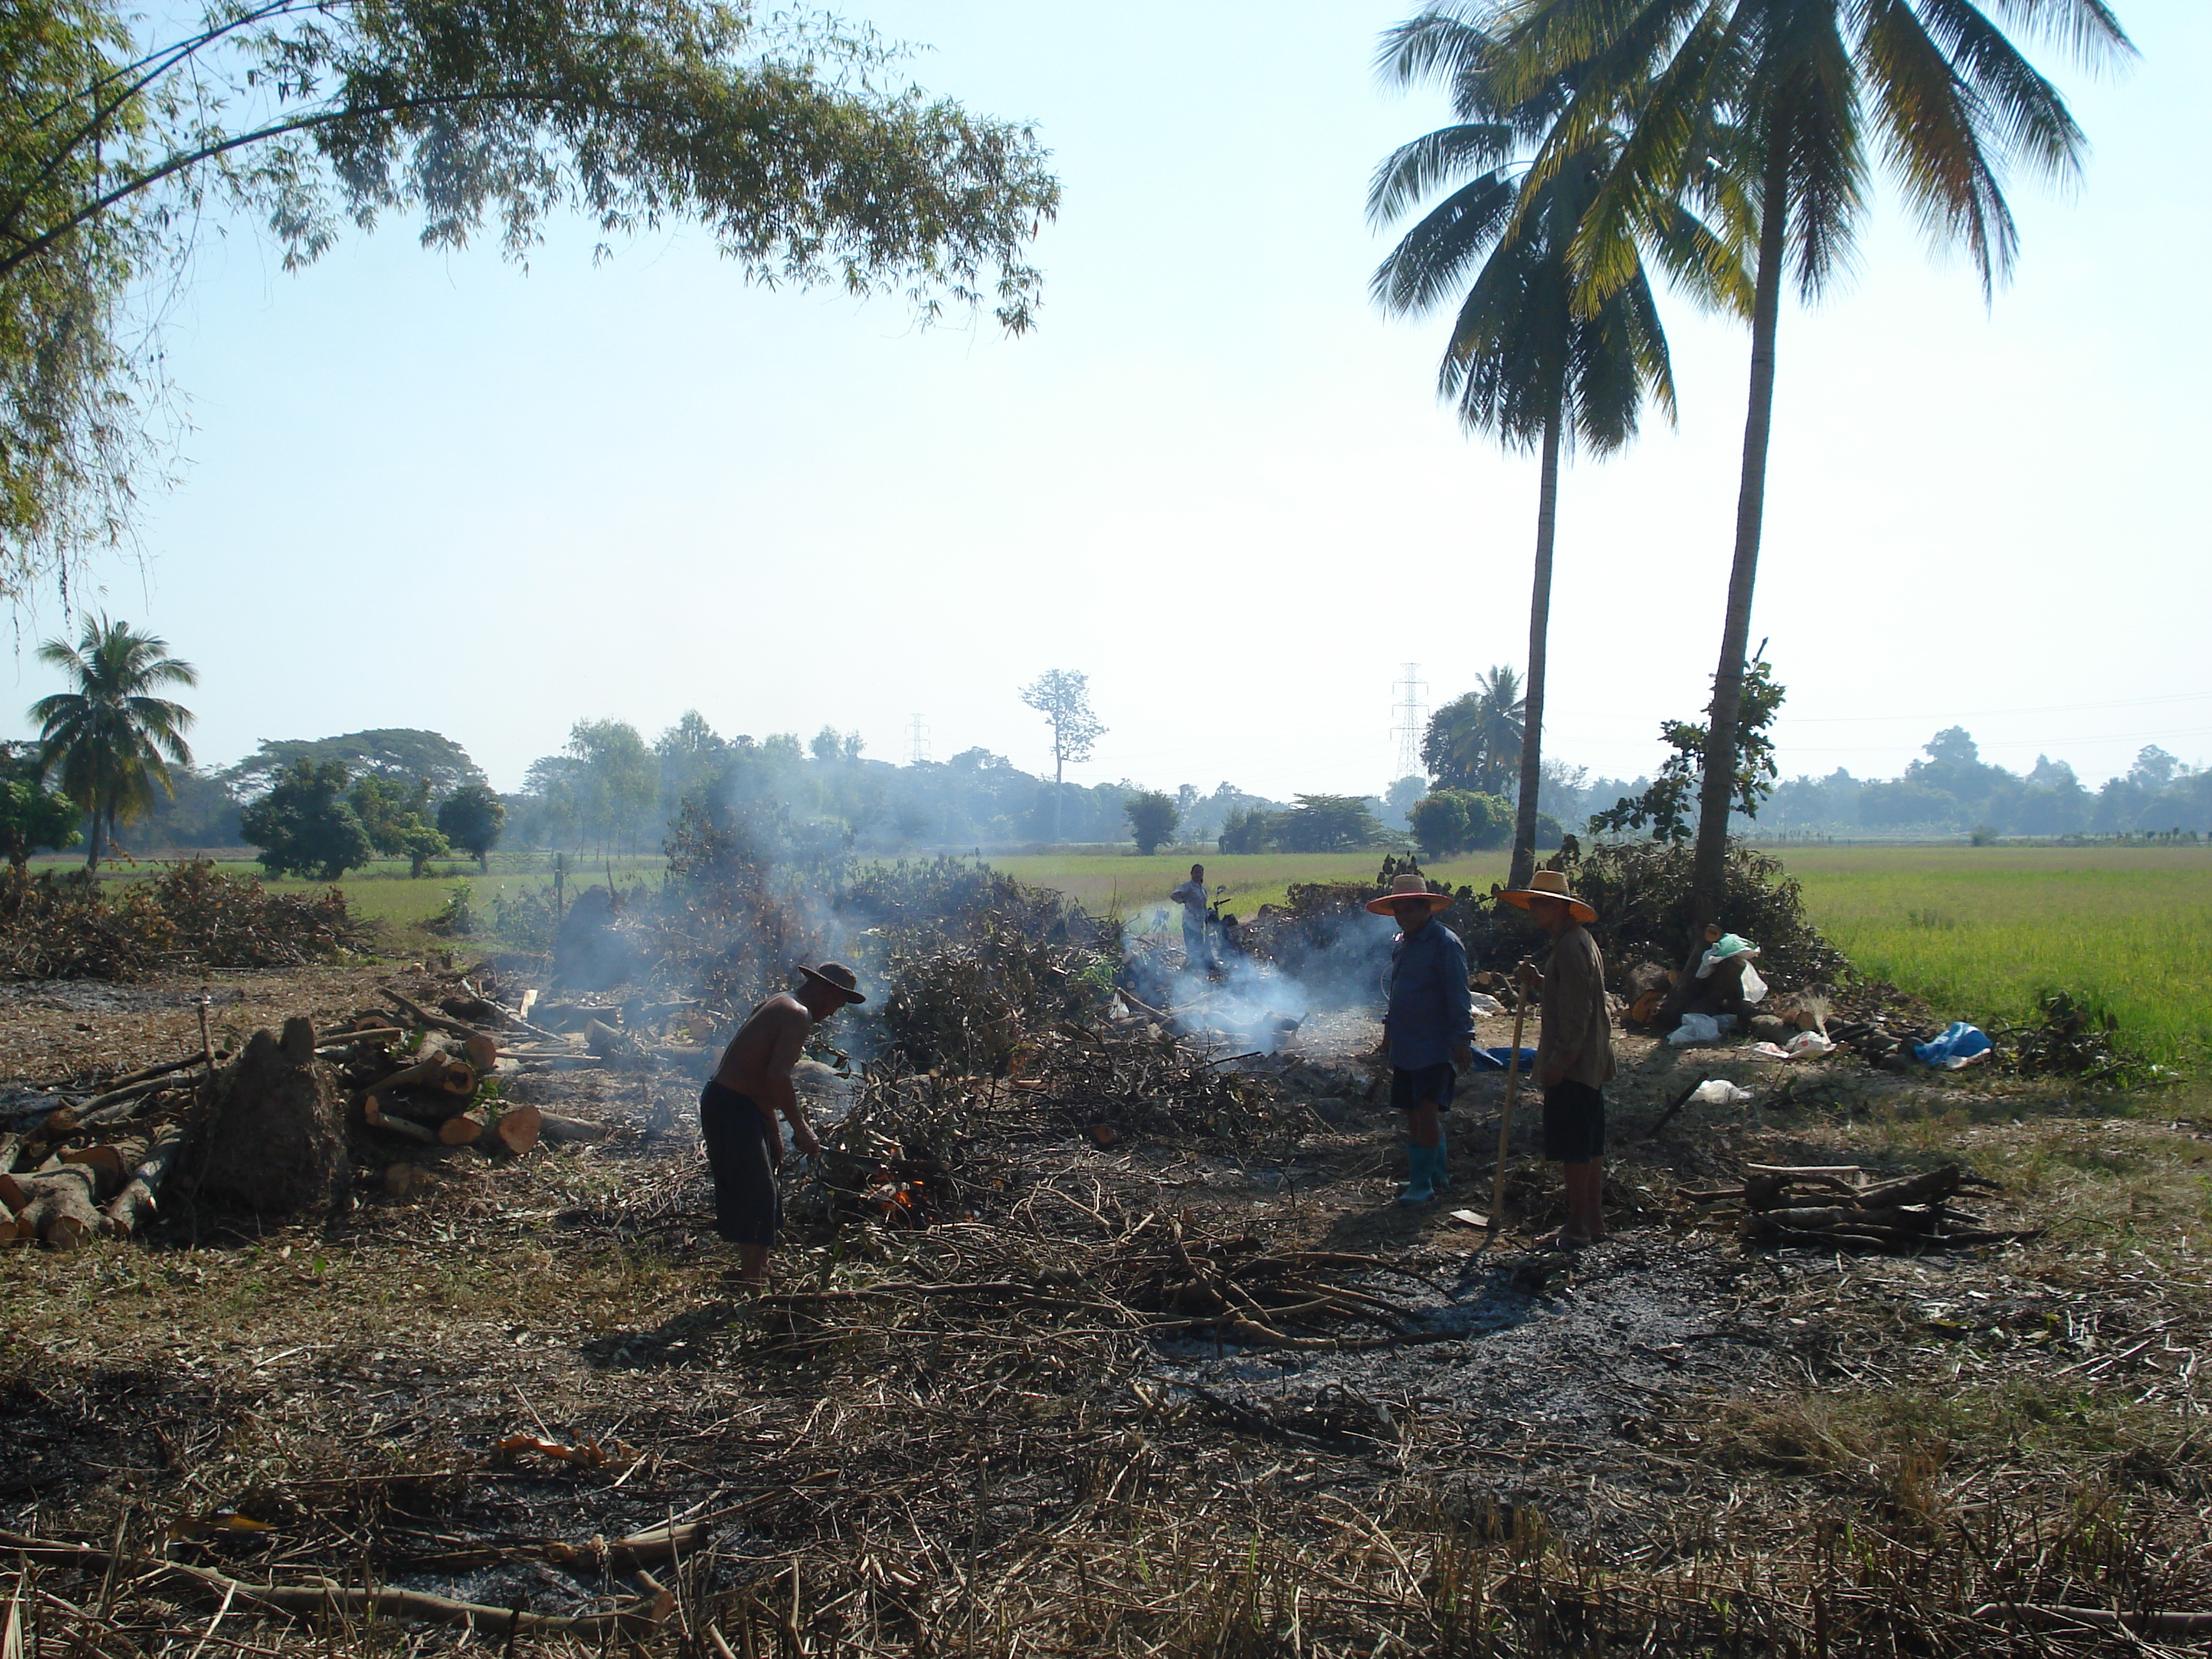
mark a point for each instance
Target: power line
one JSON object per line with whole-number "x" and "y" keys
{"x": 917, "y": 742}
{"x": 1411, "y": 707}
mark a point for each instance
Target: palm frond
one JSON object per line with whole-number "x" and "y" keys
{"x": 2087, "y": 30}
{"x": 1435, "y": 255}
{"x": 1935, "y": 131}
{"x": 2017, "y": 107}
{"x": 1434, "y": 158}
{"x": 1445, "y": 43}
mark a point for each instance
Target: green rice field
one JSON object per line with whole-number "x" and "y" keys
{"x": 1980, "y": 931}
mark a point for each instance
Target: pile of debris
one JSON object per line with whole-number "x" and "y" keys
{"x": 183, "y": 915}
{"x": 1835, "y": 1207}
{"x": 290, "y": 1124}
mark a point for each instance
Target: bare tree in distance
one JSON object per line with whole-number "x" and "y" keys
{"x": 1063, "y": 697}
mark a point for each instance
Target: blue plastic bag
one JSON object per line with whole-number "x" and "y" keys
{"x": 1497, "y": 1060}
{"x": 1958, "y": 1044}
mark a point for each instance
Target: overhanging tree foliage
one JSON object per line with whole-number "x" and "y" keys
{"x": 790, "y": 135}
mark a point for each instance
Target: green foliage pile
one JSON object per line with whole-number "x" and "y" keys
{"x": 970, "y": 961}
{"x": 1641, "y": 890}
{"x": 184, "y": 916}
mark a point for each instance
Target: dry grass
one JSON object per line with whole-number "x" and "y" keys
{"x": 898, "y": 1467}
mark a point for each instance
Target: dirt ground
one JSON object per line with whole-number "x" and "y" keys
{"x": 948, "y": 1440}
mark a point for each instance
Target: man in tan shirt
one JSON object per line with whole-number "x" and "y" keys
{"x": 1574, "y": 1051}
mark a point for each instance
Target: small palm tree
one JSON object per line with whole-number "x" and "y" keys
{"x": 1523, "y": 362}
{"x": 111, "y": 740}
{"x": 1771, "y": 111}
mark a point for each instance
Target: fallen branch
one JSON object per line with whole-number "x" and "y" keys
{"x": 639, "y": 1618}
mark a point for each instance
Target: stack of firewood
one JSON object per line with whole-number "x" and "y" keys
{"x": 1835, "y": 1208}
{"x": 79, "y": 1171}
{"x": 422, "y": 1077}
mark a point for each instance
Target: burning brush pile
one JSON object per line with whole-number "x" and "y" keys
{"x": 183, "y": 915}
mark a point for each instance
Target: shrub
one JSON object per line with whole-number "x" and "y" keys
{"x": 1641, "y": 890}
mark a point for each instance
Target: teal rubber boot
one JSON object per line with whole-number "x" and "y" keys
{"x": 1420, "y": 1187}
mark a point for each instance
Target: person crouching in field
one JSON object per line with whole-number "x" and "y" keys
{"x": 1574, "y": 1052}
{"x": 1429, "y": 1027}
{"x": 738, "y": 1111}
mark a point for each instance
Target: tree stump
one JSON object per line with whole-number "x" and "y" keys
{"x": 275, "y": 1142}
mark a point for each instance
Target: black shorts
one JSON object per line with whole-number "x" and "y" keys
{"x": 743, "y": 1149}
{"x": 1430, "y": 1083}
{"x": 1574, "y": 1123}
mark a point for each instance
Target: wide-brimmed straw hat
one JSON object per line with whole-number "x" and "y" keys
{"x": 838, "y": 978}
{"x": 1549, "y": 884}
{"x": 1407, "y": 887}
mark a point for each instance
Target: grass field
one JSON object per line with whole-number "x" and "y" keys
{"x": 384, "y": 891}
{"x": 1980, "y": 932}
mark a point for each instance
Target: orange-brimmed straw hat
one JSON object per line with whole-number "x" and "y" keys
{"x": 1407, "y": 887}
{"x": 838, "y": 978}
{"x": 1549, "y": 884}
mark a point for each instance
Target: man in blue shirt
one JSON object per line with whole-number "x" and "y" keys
{"x": 1429, "y": 1027}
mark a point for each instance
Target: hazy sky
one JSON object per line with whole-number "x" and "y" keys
{"x": 441, "y": 491}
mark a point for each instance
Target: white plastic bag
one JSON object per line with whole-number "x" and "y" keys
{"x": 1769, "y": 1051}
{"x": 1695, "y": 1028}
{"x": 1485, "y": 1007}
{"x": 1720, "y": 1092}
{"x": 1753, "y": 987}
{"x": 1809, "y": 1045}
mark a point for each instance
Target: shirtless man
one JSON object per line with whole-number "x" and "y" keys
{"x": 737, "y": 1108}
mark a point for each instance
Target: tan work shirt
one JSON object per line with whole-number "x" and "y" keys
{"x": 1576, "y": 1021}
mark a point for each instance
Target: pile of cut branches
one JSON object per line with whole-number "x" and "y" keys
{"x": 1836, "y": 1208}
{"x": 183, "y": 915}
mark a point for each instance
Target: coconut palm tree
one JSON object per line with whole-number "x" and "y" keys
{"x": 1779, "y": 103}
{"x": 111, "y": 740}
{"x": 1523, "y": 362}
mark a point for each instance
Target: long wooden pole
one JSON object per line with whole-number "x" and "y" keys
{"x": 1505, "y": 1118}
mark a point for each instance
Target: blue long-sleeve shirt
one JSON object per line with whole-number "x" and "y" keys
{"x": 1429, "y": 1013}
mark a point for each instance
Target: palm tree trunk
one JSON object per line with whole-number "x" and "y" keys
{"x": 1710, "y": 865}
{"x": 1532, "y": 689}
{"x": 1059, "y": 766}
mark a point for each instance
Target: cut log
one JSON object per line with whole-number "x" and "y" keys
{"x": 100, "y": 1108}
{"x": 377, "y": 1036}
{"x": 10, "y": 1145}
{"x": 110, "y": 1166}
{"x": 482, "y": 1052}
{"x": 569, "y": 1131}
{"x": 440, "y": 1070}
{"x": 518, "y": 1128}
{"x": 467, "y": 1128}
{"x": 136, "y": 1200}
{"x": 374, "y": 1115}
{"x": 275, "y": 1141}
{"x": 60, "y": 1211}
{"x": 15, "y": 1190}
